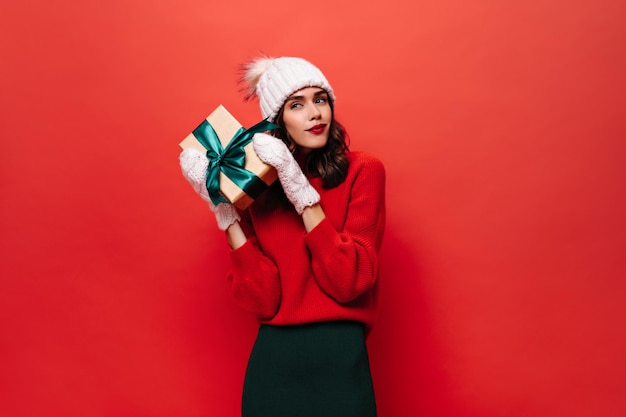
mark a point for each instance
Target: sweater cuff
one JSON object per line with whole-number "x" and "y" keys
{"x": 318, "y": 240}
{"x": 244, "y": 254}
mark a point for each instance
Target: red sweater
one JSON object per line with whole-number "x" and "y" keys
{"x": 285, "y": 276}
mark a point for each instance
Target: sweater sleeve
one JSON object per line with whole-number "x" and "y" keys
{"x": 345, "y": 262}
{"x": 254, "y": 278}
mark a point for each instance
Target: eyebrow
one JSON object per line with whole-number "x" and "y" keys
{"x": 300, "y": 97}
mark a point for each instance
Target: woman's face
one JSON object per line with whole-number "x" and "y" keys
{"x": 307, "y": 115}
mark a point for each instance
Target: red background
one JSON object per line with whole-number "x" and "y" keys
{"x": 501, "y": 125}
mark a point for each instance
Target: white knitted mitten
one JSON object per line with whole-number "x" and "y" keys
{"x": 297, "y": 188}
{"x": 194, "y": 164}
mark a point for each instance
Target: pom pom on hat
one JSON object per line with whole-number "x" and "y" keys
{"x": 273, "y": 80}
{"x": 252, "y": 72}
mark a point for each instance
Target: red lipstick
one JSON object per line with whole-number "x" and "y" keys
{"x": 317, "y": 129}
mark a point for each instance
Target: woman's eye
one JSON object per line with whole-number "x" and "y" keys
{"x": 321, "y": 100}
{"x": 295, "y": 105}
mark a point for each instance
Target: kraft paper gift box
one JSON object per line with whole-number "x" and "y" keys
{"x": 226, "y": 127}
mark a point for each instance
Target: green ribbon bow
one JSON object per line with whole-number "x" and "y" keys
{"x": 230, "y": 160}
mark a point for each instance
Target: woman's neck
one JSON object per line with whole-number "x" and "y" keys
{"x": 301, "y": 156}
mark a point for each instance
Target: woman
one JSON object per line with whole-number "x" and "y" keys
{"x": 305, "y": 253}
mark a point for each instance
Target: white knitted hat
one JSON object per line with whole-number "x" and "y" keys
{"x": 275, "y": 79}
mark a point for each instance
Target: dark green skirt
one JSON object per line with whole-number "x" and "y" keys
{"x": 317, "y": 370}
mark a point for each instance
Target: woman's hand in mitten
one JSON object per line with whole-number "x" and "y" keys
{"x": 297, "y": 188}
{"x": 194, "y": 164}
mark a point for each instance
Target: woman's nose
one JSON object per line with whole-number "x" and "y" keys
{"x": 315, "y": 113}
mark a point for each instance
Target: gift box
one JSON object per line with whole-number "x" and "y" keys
{"x": 236, "y": 174}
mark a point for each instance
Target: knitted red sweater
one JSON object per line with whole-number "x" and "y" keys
{"x": 285, "y": 276}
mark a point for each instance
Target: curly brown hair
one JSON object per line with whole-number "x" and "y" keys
{"x": 330, "y": 162}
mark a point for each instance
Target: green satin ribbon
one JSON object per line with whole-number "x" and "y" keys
{"x": 230, "y": 160}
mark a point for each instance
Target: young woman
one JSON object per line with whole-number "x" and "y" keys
{"x": 305, "y": 253}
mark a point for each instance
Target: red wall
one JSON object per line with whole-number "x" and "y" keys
{"x": 501, "y": 125}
